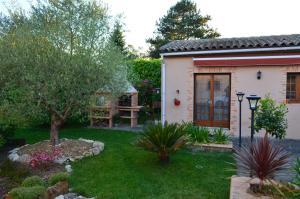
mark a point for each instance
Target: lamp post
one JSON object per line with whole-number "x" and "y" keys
{"x": 253, "y": 100}
{"x": 240, "y": 96}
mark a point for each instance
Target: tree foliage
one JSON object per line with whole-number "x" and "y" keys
{"x": 145, "y": 69}
{"x": 55, "y": 57}
{"x": 118, "y": 37}
{"x": 182, "y": 21}
{"x": 145, "y": 74}
{"x": 271, "y": 117}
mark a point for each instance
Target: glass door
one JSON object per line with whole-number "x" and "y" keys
{"x": 212, "y": 100}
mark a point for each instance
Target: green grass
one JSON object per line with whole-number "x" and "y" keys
{"x": 123, "y": 171}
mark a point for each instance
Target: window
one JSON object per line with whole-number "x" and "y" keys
{"x": 293, "y": 88}
{"x": 212, "y": 100}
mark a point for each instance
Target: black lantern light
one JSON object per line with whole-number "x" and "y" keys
{"x": 258, "y": 74}
{"x": 240, "y": 96}
{"x": 253, "y": 100}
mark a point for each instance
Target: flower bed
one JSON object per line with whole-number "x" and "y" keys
{"x": 67, "y": 150}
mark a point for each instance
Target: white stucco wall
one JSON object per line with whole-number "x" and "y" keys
{"x": 180, "y": 76}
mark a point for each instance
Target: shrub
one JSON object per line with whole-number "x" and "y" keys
{"x": 141, "y": 69}
{"x": 297, "y": 169}
{"x": 199, "y": 134}
{"x": 27, "y": 192}
{"x": 163, "y": 139}
{"x": 220, "y": 137}
{"x": 145, "y": 75}
{"x": 7, "y": 131}
{"x": 58, "y": 177}
{"x": 44, "y": 159}
{"x": 271, "y": 117}
{"x": 2, "y": 141}
{"x": 33, "y": 181}
{"x": 262, "y": 159}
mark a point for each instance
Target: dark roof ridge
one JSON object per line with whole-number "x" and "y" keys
{"x": 232, "y": 43}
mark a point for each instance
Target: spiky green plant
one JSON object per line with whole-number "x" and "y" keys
{"x": 163, "y": 139}
{"x": 297, "y": 169}
{"x": 220, "y": 136}
{"x": 199, "y": 134}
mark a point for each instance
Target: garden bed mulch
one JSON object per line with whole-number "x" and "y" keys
{"x": 69, "y": 150}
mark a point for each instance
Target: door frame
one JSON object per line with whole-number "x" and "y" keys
{"x": 194, "y": 104}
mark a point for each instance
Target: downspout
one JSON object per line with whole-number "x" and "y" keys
{"x": 163, "y": 90}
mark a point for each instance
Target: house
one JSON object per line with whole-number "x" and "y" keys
{"x": 200, "y": 79}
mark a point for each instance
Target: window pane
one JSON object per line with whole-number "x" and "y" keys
{"x": 202, "y": 97}
{"x": 292, "y": 86}
{"x": 221, "y": 97}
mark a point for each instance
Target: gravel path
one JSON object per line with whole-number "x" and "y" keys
{"x": 292, "y": 146}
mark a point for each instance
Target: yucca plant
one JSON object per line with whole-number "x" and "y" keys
{"x": 220, "y": 136}
{"x": 262, "y": 159}
{"x": 163, "y": 139}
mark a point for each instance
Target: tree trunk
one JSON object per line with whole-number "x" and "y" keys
{"x": 164, "y": 157}
{"x": 55, "y": 125}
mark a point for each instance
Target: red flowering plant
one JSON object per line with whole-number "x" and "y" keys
{"x": 44, "y": 159}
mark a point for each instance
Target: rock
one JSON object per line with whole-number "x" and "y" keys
{"x": 68, "y": 168}
{"x": 60, "y": 197}
{"x": 13, "y": 157}
{"x": 70, "y": 196}
{"x": 96, "y": 150}
{"x": 88, "y": 153}
{"x": 86, "y": 140}
{"x": 99, "y": 145}
{"x": 61, "y": 159}
{"x": 15, "y": 150}
{"x": 25, "y": 158}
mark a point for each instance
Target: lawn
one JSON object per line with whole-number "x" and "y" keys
{"x": 124, "y": 171}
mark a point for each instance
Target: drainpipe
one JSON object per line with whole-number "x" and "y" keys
{"x": 163, "y": 90}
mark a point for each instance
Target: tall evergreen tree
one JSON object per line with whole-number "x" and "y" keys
{"x": 118, "y": 37}
{"x": 182, "y": 21}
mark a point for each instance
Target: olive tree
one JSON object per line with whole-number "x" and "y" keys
{"x": 55, "y": 56}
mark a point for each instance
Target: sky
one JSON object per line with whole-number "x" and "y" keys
{"x": 232, "y": 18}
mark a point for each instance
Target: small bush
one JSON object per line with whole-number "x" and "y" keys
{"x": 7, "y": 131}
{"x": 16, "y": 172}
{"x": 2, "y": 141}
{"x": 271, "y": 117}
{"x": 163, "y": 139}
{"x": 199, "y": 134}
{"x": 220, "y": 137}
{"x": 58, "y": 177}
{"x": 33, "y": 181}
{"x": 27, "y": 192}
{"x": 297, "y": 169}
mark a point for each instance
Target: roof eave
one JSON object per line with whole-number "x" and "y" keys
{"x": 207, "y": 52}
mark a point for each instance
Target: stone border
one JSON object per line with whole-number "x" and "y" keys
{"x": 214, "y": 147}
{"x": 239, "y": 187}
{"x": 97, "y": 147}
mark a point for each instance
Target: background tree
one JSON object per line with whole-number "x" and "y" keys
{"x": 182, "y": 21}
{"x": 55, "y": 57}
{"x": 118, "y": 37}
{"x": 271, "y": 117}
